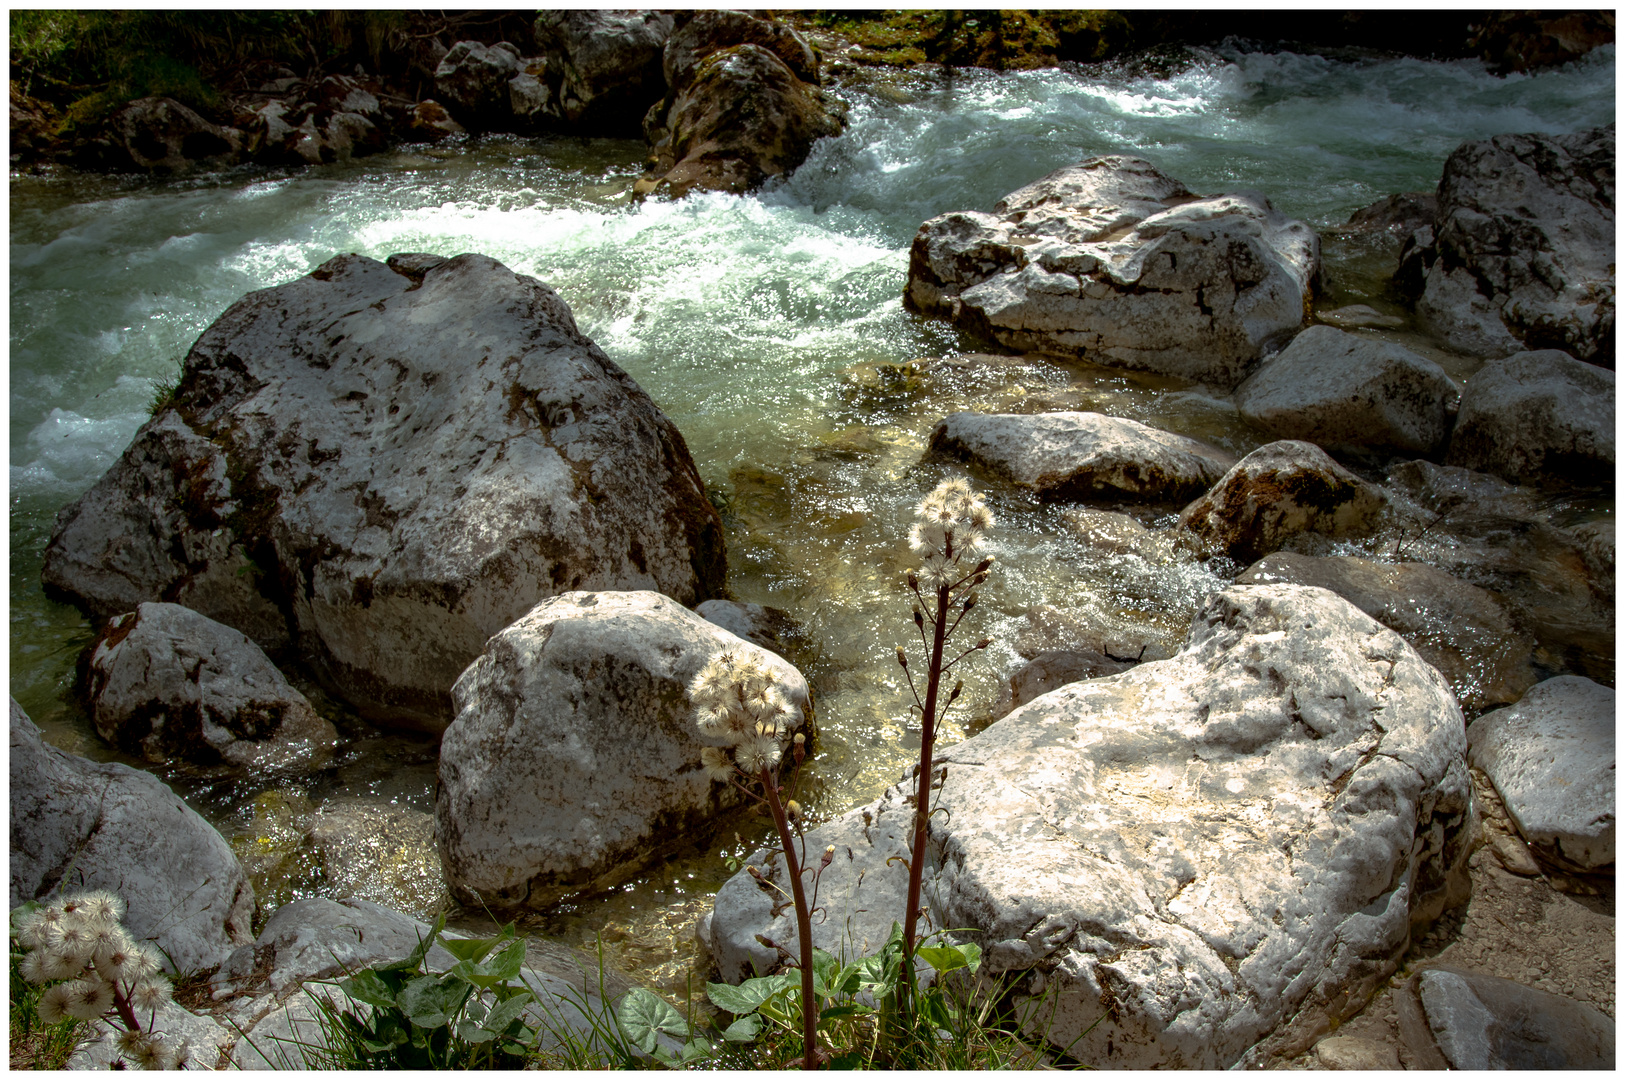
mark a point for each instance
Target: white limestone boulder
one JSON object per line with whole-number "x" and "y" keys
{"x": 1551, "y": 759}
{"x": 573, "y": 760}
{"x": 1209, "y": 857}
{"x": 1522, "y": 252}
{"x": 1538, "y": 416}
{"x": 108, "y": 826}
{"x": 384, "y": 465}
{"x": 1080, "y": 455}
{"x": 1113, "y": 261}
{"x": 164, "y": 682}
{"x": 1275, "y": 493}
{"x": 1338, "y": 390}
{"x": 1458, "y": 628}
{"x": 774, "y": 629}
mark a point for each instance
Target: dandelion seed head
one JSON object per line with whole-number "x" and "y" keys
{"x": 53, "y": 1004}
{"x": 89, "y": 998}
{"x": 151, "y": 993}
{"x": 33, "y": 969}
{"x": 714, "y": 760}
{"x": 102, "y": 907}
{"x": 758, "y": 754}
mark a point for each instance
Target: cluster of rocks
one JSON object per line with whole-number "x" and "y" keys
{"x": 728, "y": 100}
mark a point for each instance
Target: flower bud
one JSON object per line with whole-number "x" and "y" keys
{"x": 919, "y": 617}
{"x": 792, "y": 810}
{"x": 985, "y": 565}
{"x": 801, "y": 740}
{"x": 902, "y": 658}
{"x": 984, "y": 643}
{"x": 970, "y": 601}
{"x": 913, "y": 581}
{"x": 958, "y": 686}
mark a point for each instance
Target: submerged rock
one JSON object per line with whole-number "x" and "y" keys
{"x": 1522, "y": 256}
{"x": 1458, "y": 628}
{"x": 1217, "y": 855}
{"x": 573, "y": 760}
{"x": 1340, "y": 390}
{"x": 386, "y": 465}
{"x": 1117, "y": 263}
{"x": 1538, "y": 416}
{"x": 164, "y": 681}
{"x": 1273, "y": 494}
{"x": 1454, "y": 1018}
{"x": 77, "y": 823}
{"x": 1080, "y": 455}
{"x": 1551, "y": 759}
{"x": 743, "y": 106}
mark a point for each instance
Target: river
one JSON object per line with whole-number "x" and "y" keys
{"x": 769, "y": 328}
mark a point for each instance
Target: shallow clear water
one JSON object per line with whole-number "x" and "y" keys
{"x": 769, "y": 327}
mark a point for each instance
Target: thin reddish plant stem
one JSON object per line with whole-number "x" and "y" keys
{"x": 809, "y": 1004}
{"x": 922, "y": 800}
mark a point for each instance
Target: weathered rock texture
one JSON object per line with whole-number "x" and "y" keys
{"x": 1051, "y": 670}
{"x": 1340, "y": 390}
{"x": 1458, "y": 628}
{"x": 162, "y": 136}
{"x": 1215, "y": 855}
{"x": 78, "y": 823}
{"x": 1523, "y": 253}
{"x": 1273, "y": 494}
{"x": 472, "y": 81}
{"x": 387, "y": 466}
{"x": 1112, "y": 261}
{"x": 604, "y": 68}
{"x": 163, "y": 681}
{"x": 1538, "y": 416}
{"x": 774, "y": 629}
{"x": 573, "y": 759}
{"x": 1551, "y": 759}
{"x": 1080, "y": 455}
{"x": 742, "y": 106}
{"x": 1455, "y": 1018}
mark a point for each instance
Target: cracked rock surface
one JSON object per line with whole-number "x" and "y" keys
{"x": 1215, "y": 856}
{"x": 383, "y": 465}
{"x": 1115, "y": 262}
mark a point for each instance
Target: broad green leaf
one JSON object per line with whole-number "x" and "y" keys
{"x": 471, "y": 1032}
{"x": 825, "y": 966}
{"x": 643, "y": 1016}
{"x": 942, "y": 957}
{"x": 415, "y": 960}
{"x": 846, "y": 980}
{"x": 475, "y": 949}
{"x": 744, "y": 1029}
{"x": 500, "y": 968}
{"x": 836, "y": 1012}
{"x": 749, "y": 994}
{"x": 507, "y": 1012}
{"x": 429, "y": 1003}
{"x": 365, "y": 985}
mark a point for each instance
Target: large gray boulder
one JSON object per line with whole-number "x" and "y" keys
{"x": 1538, "y": 416}
{"x": 1458, "y": 628}
{"x": 1551, "y": 759}
{"x": 743, "y": 106}
{"x": 1080, "y": 455}
{"x": 573, "y": 760}
{"x": 604, "y": 67}
{"x": 385, "y": 465}
{"x": 161, "y": 136}
{"x": 1275, "y": 493}
{"x": 472, "y": 81}
{"x": 1117, "y": 263}
{"x": 163, "y": 681}
{"x": 107, "y": 826}
{"x": 1209, "y": 857}
{"x": 1340, "y": 390}
{"x": 1455, "y": 1018}
{"x": 1522, "y": 256}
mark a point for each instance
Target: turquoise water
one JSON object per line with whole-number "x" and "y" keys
{"x": 769, "y": 327}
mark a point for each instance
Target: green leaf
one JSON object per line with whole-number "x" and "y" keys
{"x": 748, "y": 995}
{"x": 643, "y": 1016}
{"x": 475, "y": 949}
{"x": 366, "y": 986}
{"x": 744, "y": 1029}
{"x": 835, "y": 1012}
{"x": 507, "y": 1012}
{"x": 429, "y": 1003}
{"x": 502, "y": 967}
{"x": 414, "y": 961}
{"x": 941, "y": 957}
{"x": 470, "y": 1032}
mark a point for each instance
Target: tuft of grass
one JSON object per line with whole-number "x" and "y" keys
{"x": 165, "y": 389}
{"x": 34, "y": 1043}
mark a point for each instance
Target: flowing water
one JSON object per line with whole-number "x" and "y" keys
{"x": 770, "y": 329}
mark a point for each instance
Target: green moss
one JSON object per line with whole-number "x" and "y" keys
{"x": 1006, "y": 40}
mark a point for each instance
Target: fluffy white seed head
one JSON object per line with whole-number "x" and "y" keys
{"x": 150, "y": 994}
{"x": 53, "y": 1004}
{"x": 143, "y": 961}
{"x": 102, "y": 907}
{"x": 757, "y": 754}
{"x": 89, "y": 998}
{"x": 32, "y": 967}
{"x": 714, "y": 760}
